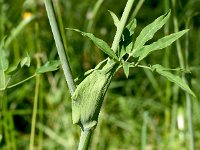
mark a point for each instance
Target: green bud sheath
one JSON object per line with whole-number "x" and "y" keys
{"x": 89, "y": 95}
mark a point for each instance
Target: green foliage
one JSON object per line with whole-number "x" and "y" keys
{"x": 48, "y": 67}
{"x": 148, "y": 32}
{"x": 99, "y": 43}
{"x": 160, "y": 44}
{"x": 173, "y": 78}
{"x": 123, "y": 114}
{"x": 115, "y": 18}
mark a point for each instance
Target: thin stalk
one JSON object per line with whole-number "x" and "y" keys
{"x": 85, "y": 140}
{"x": 137, "y": 8}
{"x": 12, "y": 130}
{"x": 188, "y": 99}
{"x": 59, "y": 44}
{"x": 21, "y": 81}
{"x": 94, "y": 13}
{"x": 35, "y": 107}
{"x": 178, "y": 45}
{"x": 5, "y": 121}
{"x": 144, "y": 131}
{"x": 168, "y": 83}
{"x": 121, "y": 25}
{"x": 60, "y": 23}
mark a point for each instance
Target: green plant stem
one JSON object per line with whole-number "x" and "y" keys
{"x": 60, "y": 46}
{"x": 85, "y": 137}
{"x": 121, "y": 25}
{"x": 94, "y": 13}
{"x": 137, "y": 8}
{"x": 144, "y": 131}
{"x": 85, "y": 140}
{"x": 21, "y": 81}
{"x": 188, "y": 99}
{"x": 35, "y": 107}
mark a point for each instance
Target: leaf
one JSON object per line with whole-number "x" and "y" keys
{"x": 25, "y": 61}
{"x": 115, "y": 18}
{"x": 160, "y": 44}
{"x": 127, "y": 38}
{"x": 4, "y": 63}
{"x": 148, "y": 32}
{"x": 126, "y": 66}
{"x": 49, "y": 66}
{"x": 99, "y": 43}
{"x": 173, "y": 78}
{"x": 20, "y": 64}
{"x": 131, "y": 26}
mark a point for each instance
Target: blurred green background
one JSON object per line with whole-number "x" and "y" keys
{"x": 142, "y": 112}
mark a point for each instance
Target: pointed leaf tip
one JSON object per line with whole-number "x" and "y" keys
{"x": 115, "y": 18}
{"x": 99, "y": 43}
{"x": 173, "y": 78}
{"x": 126, "y": 67}
{"x": 148, "y": 32}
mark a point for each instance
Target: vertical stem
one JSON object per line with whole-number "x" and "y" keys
{"x": 85, "y": 140}
{"x": 144, "y": 130}
{"x": 121, "y": 25}
{"x": 137, "y": 8}
{"x": 59, "y": 44}
{"x": 188, "y": 98}
{"x": 35, "y": 106}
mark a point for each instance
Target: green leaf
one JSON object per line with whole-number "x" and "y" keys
{"x": 115, "y": 18}
{"x": 131, "y": 26}
{"x": 20, "y": 64}
{"x": 4, "y": 63}
{"x": 126, "y": 66}
{"x": 127, "y": 38}
{"x": 160, "y": 44}
{"x": 99, "y": 43}
{"x": 25, "y": 61}
{"x": 148, "y": 32}
{"x": 173, "y": 78}
{"x": 49, "y": 66}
